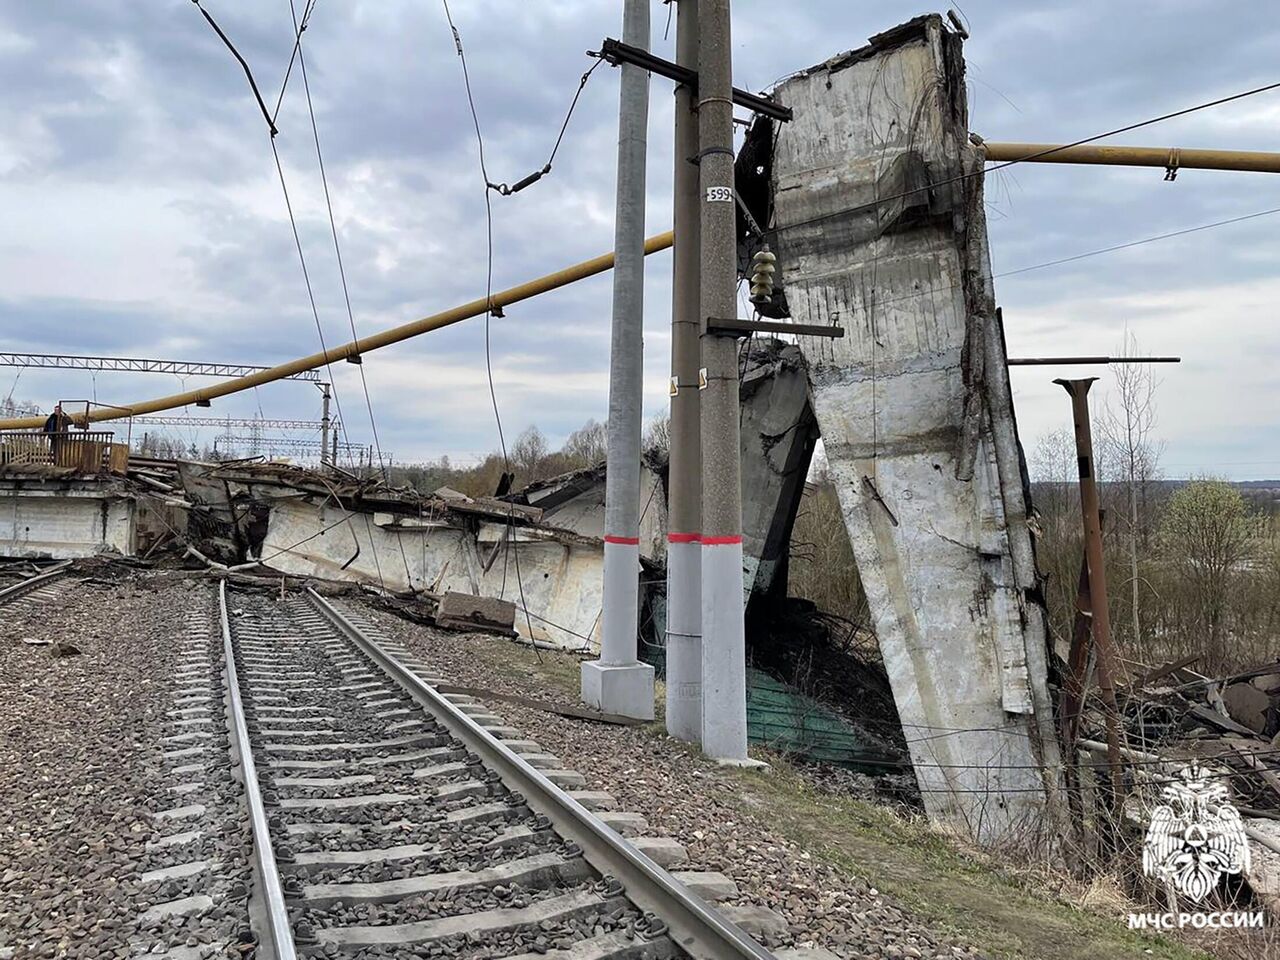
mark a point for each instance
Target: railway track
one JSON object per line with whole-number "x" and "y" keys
{"x": 389, "y": 820}
{"x": 40, "y": 588}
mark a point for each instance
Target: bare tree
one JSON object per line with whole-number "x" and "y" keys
{"x": 586, "y": 446}
{"x": 1127, "y": 427}
{"x": 657, "y": 435}
{"x": 528, "y": 453}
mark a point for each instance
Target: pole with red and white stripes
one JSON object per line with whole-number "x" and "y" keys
{"x": 724, "y": 686}
{"x": 684, "y": 506}
{"x": 618, "y": 682}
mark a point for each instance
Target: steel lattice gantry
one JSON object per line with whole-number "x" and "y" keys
{"x": 268, "y": 424}
{"x": 276, "y": 445}
{"x": 181, "y": 368}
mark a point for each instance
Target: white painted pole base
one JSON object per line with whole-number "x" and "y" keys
{"x": 724, "y": 656}
{"x": 684, "y": 640}
{"x": 621, "y": 615}
{"x": 618, "y": 682}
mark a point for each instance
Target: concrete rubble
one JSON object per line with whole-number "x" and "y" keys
{"x": 536, "y": 553}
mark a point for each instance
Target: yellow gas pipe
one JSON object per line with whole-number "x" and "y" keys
{"x": 1170, "y": 158}
{"x": 524, "y": 291}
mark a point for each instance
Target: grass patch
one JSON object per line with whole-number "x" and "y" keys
{"x": 957, "y": 892}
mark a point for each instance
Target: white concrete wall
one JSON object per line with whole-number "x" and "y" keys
{"x": 584, "y": 515}
{"x": 902, "y": 419}
{"x": 64, "y": 520}
{"x": 561, "y": 581}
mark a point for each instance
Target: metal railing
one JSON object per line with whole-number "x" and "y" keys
{"x": 81, "y": 451}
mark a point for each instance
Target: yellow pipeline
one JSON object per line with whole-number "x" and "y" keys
{"x": 524, "y": 291}
{"x": 1177, "y": 157}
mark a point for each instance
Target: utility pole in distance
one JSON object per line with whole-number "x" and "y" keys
{"x": 324, "y": 426}
{"x": 684, "y": 509}
{"x": 618, "y": 682}
{"x": 724, "y": 686}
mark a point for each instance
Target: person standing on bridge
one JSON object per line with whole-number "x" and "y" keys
{"x": 55, "y": 428}
{"x": 58, "y": 421}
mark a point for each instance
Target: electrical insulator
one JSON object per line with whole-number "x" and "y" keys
{"x": 763, "y": 265}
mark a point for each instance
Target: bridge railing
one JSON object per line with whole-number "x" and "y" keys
{"x": 88, "y": 452}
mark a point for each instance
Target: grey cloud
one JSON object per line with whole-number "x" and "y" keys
{"x": 401, "y": 160}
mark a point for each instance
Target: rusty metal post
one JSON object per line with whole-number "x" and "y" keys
{"x": 1100, "y": 619}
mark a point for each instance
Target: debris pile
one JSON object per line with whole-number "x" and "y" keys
{"x": 1171, "y": 719}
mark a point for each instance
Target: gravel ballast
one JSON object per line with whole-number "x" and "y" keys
{"x": 87, "y": 699}
{"x": 690, "y": 799}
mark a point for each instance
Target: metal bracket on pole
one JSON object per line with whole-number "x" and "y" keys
{"x": 719, "y": 327}
{"x": 616, "y": 52}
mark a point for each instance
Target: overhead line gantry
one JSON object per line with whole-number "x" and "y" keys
{"x": 181, "y": 368}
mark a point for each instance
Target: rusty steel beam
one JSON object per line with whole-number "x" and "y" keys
{"x": 1084, "y": 361}
{"x": 1099, "y": 613}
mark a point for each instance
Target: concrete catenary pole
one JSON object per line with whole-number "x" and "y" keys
{"x": 684, "y": 507}
{"x": 324, "y": 425}
{"x": 724, "y": 688}
{"x": 618, "y": 682}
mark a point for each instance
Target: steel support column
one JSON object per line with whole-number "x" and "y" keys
{"x": 1100, "y": 616}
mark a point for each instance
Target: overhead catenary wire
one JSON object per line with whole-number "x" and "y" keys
{"x": 297, "y": 238}
{"x": 342, "y": 273}
{"x": 537, "y": 175}
{"x": 253, "y": 84}
{"x": 510, "y": 537}
{"x": 299, "y": 27}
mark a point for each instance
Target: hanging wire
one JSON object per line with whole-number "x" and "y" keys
{"x": 488, "y": 316}
{"x": 342, "y": 273}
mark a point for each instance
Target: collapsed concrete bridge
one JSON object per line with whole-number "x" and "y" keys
{"x": 872, "y": 197}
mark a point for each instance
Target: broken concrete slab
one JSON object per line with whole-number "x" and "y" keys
{"x": 1247, "y": 705}
{"x": 779, "y": 432}
{"x": 66, "y": 517}
{"x": 461, "y": 611}
{"x": 880, "y": 228}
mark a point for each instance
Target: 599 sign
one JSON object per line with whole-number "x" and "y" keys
{"x": 719, "y": 194}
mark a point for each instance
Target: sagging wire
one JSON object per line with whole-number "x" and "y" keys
{"x": 293, "y": 222}
{"x": 337, "y": 249}
{"x": 253, "y": 85}
{"x": 488, "y": 316}
{"x": 537, "y": 175}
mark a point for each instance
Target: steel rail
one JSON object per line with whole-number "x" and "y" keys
{"x": 697, "y": 928}
{"x": 279, "y": 928}
{"x": 34, "y": 583}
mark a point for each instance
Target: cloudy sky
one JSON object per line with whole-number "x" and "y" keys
{"x": 143, "y": 217}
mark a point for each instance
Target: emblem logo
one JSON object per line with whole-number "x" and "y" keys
{"x": 1196, "y": 836}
